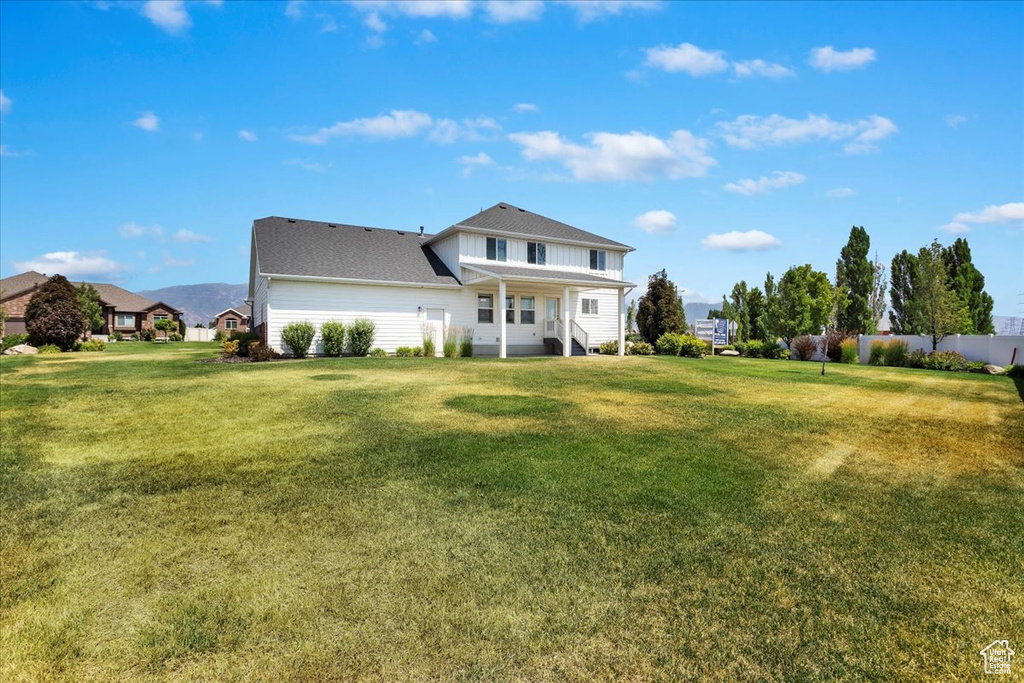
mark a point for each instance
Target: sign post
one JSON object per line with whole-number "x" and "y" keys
{"x": 714, "y": 330}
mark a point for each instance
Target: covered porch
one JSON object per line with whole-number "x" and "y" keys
{"x": 542, "y": 312}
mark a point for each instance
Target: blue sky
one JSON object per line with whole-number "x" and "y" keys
{"x": 140, "y": 140}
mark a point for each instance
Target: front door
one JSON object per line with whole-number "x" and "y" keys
{"x": 551, "y": 307}
{"x": 435, "y": 324}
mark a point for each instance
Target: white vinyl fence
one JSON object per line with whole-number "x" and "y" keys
{"x": 987, "y": 348}
{"x": 199, "y": 334}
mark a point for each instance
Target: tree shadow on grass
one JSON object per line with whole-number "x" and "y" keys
{"x": 1019, "y": 383}
{"x": 507, "y": 406}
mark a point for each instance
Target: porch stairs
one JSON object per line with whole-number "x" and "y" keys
{"x": 553, "y": 338}
{"x": 555, "y": 344}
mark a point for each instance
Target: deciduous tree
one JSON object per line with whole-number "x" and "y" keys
{"x": 969, "y": 284}
{"x": 905, "y": 316}
{"x": 942, "y": 312}
{"x": 53, "y": 314}
{"x": 878, "y": 301}
{"x": 806, "y": 301}
{"x": 92, "y": 309}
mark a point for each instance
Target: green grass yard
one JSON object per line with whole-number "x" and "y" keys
{"x": 538, "y": 520}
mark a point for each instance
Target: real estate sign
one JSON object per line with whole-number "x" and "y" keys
{"x": 714, "y": 330}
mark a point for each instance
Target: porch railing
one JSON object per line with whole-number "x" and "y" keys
{"x": 553, "y": 328}
{"x": 580, "y": 335}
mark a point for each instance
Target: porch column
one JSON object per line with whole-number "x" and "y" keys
{"x": 621, "y": 300}
{"x": 566, "y": 331}
{"x": 501, "y": 323}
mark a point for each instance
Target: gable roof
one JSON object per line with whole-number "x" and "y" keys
{"x": 290, "y": 247}
{"x": 121, "y": 300}
{"x": 504, "y": 217}
{"x": 17, "y": 284}
{"x": 245, "y": 310}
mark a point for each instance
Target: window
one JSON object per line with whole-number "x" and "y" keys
{"x": 588, "y": 306}
{"x": 485, "y": 308}
{"x": 527, "y": 310}
{"x": 160, "y": 316}
{"x": 497, "y": 249}
{"x": 537, "y": 252}
{"x": 124, "y": 320}
{"x": 597, "y": 259}
{"x": 230, "y": 324}
{"x": 510, "y": 310}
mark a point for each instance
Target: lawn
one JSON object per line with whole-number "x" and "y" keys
{"x": 540, "y": 520}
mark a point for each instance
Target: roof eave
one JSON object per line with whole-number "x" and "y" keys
{"x": 625, "y": 248}
{"x": 361, "y": 281}
{"x": 613, "y": 284}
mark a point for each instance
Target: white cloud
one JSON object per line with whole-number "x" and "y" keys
{"x": 526, "y": 107}
{"x": 197, "y": 136}
{"x": 828, "y": 59}
{"x": 685, "y": 57}
{"x": 72, "y": 264}
{"x": 187, "y": 236}
{"x": 955, "y": 120}
{"x": 248, "y": 135}
{"x": 293, "y": 9}
{"x": 312, "y": 166}
{"x": 627, "y": 156}
{"x": 779, "y": 180}
{"x": 134, "y": 230}
{"x": 1012, "y": 212}
{"x": 592, "y": 10}
{"x": 5, "y": 103}
{"x": 756, "y": 132}
{"x": 955, "y": 228}
{"x": 170, "y": 261}
{"x": 6, "y": 151}
{"x": 452, "y": 9}
{"x": 656, "y": 222}
{"x": 508, "y": 11}
{"x": 169, "y": 15}
{"x": 759, "y": 67}
{"x": 752, "y": 240}
{"x": 148, "y": 122}
{"x": 425, "y": 37}
{"x": 328, "y": 24}
{"x": 375, "y": 23}
{"x": 404, "y": 123}
{"x": 447, "y": 131}
{"x": 839, "y": 193}
{"x": 471, "y": 162}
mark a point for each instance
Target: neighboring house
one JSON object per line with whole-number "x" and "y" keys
{"x": 234, "y": 319}
{"x": 123, "y": 311}
{"x": 524, "y": 284}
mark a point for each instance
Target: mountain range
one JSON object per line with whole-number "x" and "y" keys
{"x": 200, "y": 303}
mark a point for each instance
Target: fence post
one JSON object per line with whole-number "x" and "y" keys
{"x": 957, "y": 343}
{"x": 988, "y": 352}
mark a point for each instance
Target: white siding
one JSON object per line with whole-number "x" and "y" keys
{"x": 448, "y": 251}
{"x": 473, "y": 249}
{"x": 605, "y": 325}
{"x": 259, "y": 299}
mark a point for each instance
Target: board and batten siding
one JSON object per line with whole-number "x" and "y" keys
{"x": 448, "y": 251}
{"x": 259, "y": 302}
{"x": 473, "y": 249}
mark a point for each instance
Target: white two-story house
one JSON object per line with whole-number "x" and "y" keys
{"x": 523, "y": 283}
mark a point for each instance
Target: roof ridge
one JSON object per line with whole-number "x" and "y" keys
{"x": 347, "y": 225}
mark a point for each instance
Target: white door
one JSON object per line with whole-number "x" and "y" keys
{"x": 551, "y": 307}
{"x": 435, "y": 321}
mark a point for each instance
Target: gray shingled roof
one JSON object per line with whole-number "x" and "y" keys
{"x": 243, "y": 309}
{"x": 332, "y": 250}
{"x": 513, "y": 272}
{"x": 504, "y": 217}
{"x": 16, "y": 284}
{"x": 120, "y": 299}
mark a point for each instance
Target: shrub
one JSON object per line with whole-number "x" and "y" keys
{"x": 360, "y": 337}
{"x": 13, "y": 340}
{"x": 916, "y": 359}
{"x": 93, "y": 345}
{"x": 450, "y": 349}
{"x": 404, "y": 352}
{"x": 245, "y": 340}
{"x": 54, "y": 314}
{"x": 333, "y": 333}
{"x": 218, "y": 336}
{"x": 417, "y": 351}
{"x": 297, "y": 336}
{"x": 642, "y": 348}
{"x": 896, "y": 352}
{"x": 135, "y": 336}
{"x": 635, "y": 337}
{"x": 876, "y": 354}
{"x": 975, "y": 366}
{"x": 753, "y": 349}
{"x": 727, "y": 347}
{"x": 1015, "y": 371}
{"x": 49, "y": 348}
{"x": 175, "y": 337}
{"x": 429, "y": 347}
{"x": 669, "y": 344}
{"x": 804, "y": 347}
{"x": 466, "y": 342}
{"x": 849, "y": 351}
{"x": 229, "y": 347}
{"x": 147, "y": 334}
{"x": 379, "y": 353}
{"x": 609, "y": 347}
{"x": 116, "y": 336}
{"x": 693, "y": 347}
{"x": 742, "y": 346}
{"x": 260, "y": 353}
{"x": 774, "y": 351}
{"x": 833, "y": 344}
{"x": 950, "y": 361}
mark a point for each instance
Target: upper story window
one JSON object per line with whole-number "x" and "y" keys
{"x": 497, "y": 249}
{"x": 598, "y": 259}
{"x": 537, "y": 252}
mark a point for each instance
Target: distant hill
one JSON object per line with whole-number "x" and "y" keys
{"x": 200, "y": 303}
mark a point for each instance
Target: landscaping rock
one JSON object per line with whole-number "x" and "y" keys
{"x": 994, "y": 369}
{"x": 20, "y": 350}
{"x": 728, "y": 352}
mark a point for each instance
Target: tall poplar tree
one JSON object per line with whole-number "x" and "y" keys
{"x": 854, "y": 279}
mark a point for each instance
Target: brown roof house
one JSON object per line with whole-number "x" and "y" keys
{"x": 234, "y": 319}
{"x": 123, "y": 311}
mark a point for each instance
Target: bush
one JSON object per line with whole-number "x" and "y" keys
{"x": 642, "y": 348}
{"x": 333, "y": 333}
{"x": 742, "y": 346}
{"x": 54, "y": 314}
{"x": 774, "y": 351}
{"x": 147, "y": 334}
{"x": 116, "y": 336}
{"x": 229, "y": 347}
{"x": 135, "y": 336}
{"x": 849, "y": 351}
{"x": 360, "y": 337}
{"x": 950, "y": 361}
{"x": 379, "y": 353}
{"x": 609, "y": 348}
{"x": 669, "y": 344}
{"x": 429, "y": 347}
{"x": 13, "y": 340}
{"x": 752, "y": 349}
{"x": 297, "y": 336}
{"x": 896, "y": 353}
{"x": 466, "y": 342}
{"x": 915, "y": 359}
{"x": 218, "y": 336}
{"x": 174, "y": 337}
{"x": 49, "y": 348}
{"x": 1015, "y": 371}
{"x": 876, "y": 354}
{"x": 260, "y": 353}
{"x": 693, "y": 347}
{"x": 245, "y": 340}
{"x": 450, "y": 349}
{"x": 727, "y": 347}
{"x": 804, "y": 347}
{"x": 417, "y": 351}
{"x": 635, "y": 337}
{"x": 404, "y": 352}
{"x": 833, "y": 345}
{"x": 93, "y": 345}
{"x": 975, "y": 366}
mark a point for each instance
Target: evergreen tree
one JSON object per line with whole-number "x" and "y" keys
{"x": 905, "y": 316}
{"x": 854, "y": 279}
{"x": 969, "y": 284}
{"x": 660, "y": 309}
{"x": 756, "y": 315}
{"x": 53, "y": 314}
{"x": 806, "y": 302}
{"x": 738, "y": 300}
{"x": 92, "y": 309}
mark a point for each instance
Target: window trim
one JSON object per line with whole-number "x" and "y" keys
{"x": 587, "y": 309}
{"x": 598, "y": 260}
{"x": 228, "y": 321}
{"x": 540, "y": 253}
{"x": 500, "y": 249}
{"x": 119, "y": 317}
{"x": 510, "y": 309}
{"x": 532, "y": 311}
{"x": 491, "y": 296}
